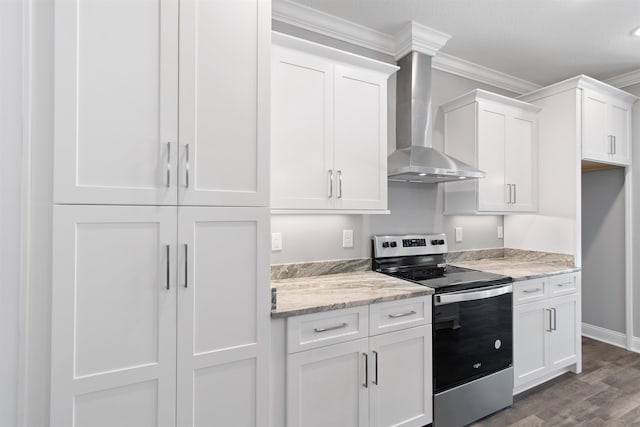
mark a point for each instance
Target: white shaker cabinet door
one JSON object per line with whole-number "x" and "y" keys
{"x": 401, "y": 378}
{"x": 531, "y": 324}
{"x": 223, "y": 316}
{"x": 360, "y": 130}
{"x": 594, "y": 126}
{"x": 113, "y": 316}
{"x": 116, "y": 107}
{"x": 328, "y": 386}
{"x": 302, "y": 169}
{"x": 619, "y": 121}
{"x": 521, "y": 163}
{"x": 564, "y": 340}
{"x": 492, "y": 190}
{"x": 224, "y": 102}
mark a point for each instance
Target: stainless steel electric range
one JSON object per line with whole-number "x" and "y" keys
{"x": 472, "y": 326}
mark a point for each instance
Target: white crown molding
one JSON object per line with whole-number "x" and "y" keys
{"x": 419, "y": 38}
{"x": 332, "y": 26}
{"x": 624, "y": 80}
{"x": 426, "y": 40}
{"x": 479, "y": 73}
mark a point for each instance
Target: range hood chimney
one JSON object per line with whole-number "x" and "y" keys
{"x": 414, "y": 159}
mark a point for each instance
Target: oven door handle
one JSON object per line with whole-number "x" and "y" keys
{"x": 472, "y": 295}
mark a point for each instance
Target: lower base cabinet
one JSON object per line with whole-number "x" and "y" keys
{"x": 383, "y": 379}
{"x": 546, "y": 329}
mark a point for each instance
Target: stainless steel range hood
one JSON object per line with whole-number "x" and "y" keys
{"x": 414, "y": 159}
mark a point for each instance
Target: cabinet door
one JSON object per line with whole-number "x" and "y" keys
{"x": 530, "y": 327}
{"x": 113, "y": 354}
{"x": 224, "y": 102}
{"x": 302, "y": 172}
{"x": 400, "y": 377}
{"x": 360, "y": 139}
{"x": 115, "y": 90}
{"x": 492, "y": 190}
{"x": 223, "y": 316}
{"x": 619, "y": 121}
{"x": 594, "y": 126}
{"x": 520, "y": 163}
{"x": 328, "y": 387}
{"x": 565, "y": 339}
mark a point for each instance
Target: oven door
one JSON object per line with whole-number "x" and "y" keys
{"x": 472, "y": 335}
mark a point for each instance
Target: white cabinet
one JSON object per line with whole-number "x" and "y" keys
{"x": 329, "y": 129}
{"x": 122, "y": 275}
{"x": 129, "y": 128}
{"x": 606, "y": 126}
{"x": 380, "y": 378}
{"x": 497, "y": 135}
{"x": 546, "y": 332}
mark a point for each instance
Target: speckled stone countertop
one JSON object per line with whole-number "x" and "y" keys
{"x": 306, "y": 295}
{"x": 517, "y": 268}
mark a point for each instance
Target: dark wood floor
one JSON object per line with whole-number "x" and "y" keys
{"x": 606, "y": 393}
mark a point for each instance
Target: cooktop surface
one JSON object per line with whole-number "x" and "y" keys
{"x": 452, "y": 279}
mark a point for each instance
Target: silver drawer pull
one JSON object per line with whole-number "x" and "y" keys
{"x": 331, "y": 328}
{"x": 395, "y": 316}
{"x": 560, "y": 285}
{"x": 530, "y": 291}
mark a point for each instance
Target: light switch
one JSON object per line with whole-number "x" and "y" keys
{"x": 458, "y": 234}
{"x": 347, "y": 238}
{"x": 276, "y": 241}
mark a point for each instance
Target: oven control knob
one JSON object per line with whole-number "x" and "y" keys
{"x": 434, "y": 242}
{"x": 394, "y": 244}
{"x": 385, "y": 244}
{"x": 441, "y": 242}
{"x": 497, "y": 344}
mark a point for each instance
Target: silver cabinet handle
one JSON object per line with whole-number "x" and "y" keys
{"x": 614, "y": 145}
{"x": 186, "y": 182}
{"x": 186, "y": 265}
{"x": 530, "y": 291}
{"x": 366, "y": 370}
{"x": 610, "y": 138}
{"x": 550, "y": 320}
{"x": 331, "y": 328}
{"x": 168, "y": 252}
{"x": 555, "y": 319}
{"x": 168, "y": 164}
{"x": 509, "y": 191}
{"x": 339, "y": 184}
{"x": 515, "y": 194}
{"x": 375, "y": 353}
{"x": 408, "y": 313}
{"x": 330, "y": 179}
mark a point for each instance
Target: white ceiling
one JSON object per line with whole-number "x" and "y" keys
{"x": 542, "y": 41}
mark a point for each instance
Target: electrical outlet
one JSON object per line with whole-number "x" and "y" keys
{"x": 276, "y": 241}
{"x": 500, "y": 232}
{"x": 347, "y": 238}
{"x": 458, "y": 234}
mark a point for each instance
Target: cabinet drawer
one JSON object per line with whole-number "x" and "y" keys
{"x": 529, "y": 291}
{"x": 394, "y": 315}
{"x": 563, "y": 284}
{"x": 326, "y": 328}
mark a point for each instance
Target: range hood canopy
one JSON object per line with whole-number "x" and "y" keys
{"x": 414, "y": 159}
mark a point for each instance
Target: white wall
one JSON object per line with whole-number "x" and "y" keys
{"x": 10, "y": 179}
{"x": 603, "y": 249}
{"x": 635, "y": 89}
{"x": 415, "y": 208}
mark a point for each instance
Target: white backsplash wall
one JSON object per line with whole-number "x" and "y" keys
{"x": 415, "y": 208}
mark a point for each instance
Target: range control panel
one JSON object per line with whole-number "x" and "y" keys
{"x": 403, "y": 245}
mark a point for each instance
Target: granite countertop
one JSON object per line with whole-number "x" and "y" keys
{"x": 304, "y": 295}
{"x": 519, "y": 269}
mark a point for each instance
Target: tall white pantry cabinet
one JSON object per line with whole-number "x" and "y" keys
{"x": 160, "y": 311}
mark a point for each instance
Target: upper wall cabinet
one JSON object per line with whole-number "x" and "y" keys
{"x": 329, "y": 129}
{"x": 606, "y": 125}
{"x": 169, "y": 108}
{"x": 497, "y": 135}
